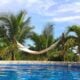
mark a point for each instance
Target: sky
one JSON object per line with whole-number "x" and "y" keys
{"x": 61, "y": 13}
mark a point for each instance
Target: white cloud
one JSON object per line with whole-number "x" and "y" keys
{"x": 4, "y": 2}
{"x": 64, "y": 19}
{"x": 70, "y": 7}
{"x": 44, "y": 7}
{"x": 50, "y": 8}
{"x": 27, "y": 2}
{"x": 39, "y": 6}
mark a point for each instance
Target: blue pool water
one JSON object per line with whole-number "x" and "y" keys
{"x": 38, "y": 72}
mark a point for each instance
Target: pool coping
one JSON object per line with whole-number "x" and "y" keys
{"x": 39, "y": 62}
{"x": 45, "y": 63}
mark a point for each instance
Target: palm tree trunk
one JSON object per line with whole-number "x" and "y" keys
{"x": 12, "y": 56}
{"x": 63, "y": 45}
{"x": 78, "y": 49}
{"x": 47, "y": 43}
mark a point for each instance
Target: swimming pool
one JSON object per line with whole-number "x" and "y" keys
{"x": 39, "y": 72}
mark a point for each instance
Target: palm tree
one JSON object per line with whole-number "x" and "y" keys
{"x": 3, "y": 40}
{"x": 75, "y": 36}
{"x": 65, "y": 45}
{"x": 17, "y": 27}
{"x": 43, "y": 40}
{"x": 48, "y": 34}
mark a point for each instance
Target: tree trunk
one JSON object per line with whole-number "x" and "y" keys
{"x": 12, "y": 56}
{"x": 63, "y": 45}
{"x": 78, "y": 52}
{"x": 78, "y": 49}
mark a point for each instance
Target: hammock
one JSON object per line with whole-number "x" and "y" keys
{"x": 25, "y": 49}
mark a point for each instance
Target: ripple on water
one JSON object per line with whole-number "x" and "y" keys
{"x": 39, "y": 73}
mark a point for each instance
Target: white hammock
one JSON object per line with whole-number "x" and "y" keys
{"x": 25, "y": 49}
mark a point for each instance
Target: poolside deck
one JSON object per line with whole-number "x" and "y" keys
{"x": 42, "y": 62}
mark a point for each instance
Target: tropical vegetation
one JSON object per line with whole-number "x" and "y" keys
{"x": 18, "y": 27}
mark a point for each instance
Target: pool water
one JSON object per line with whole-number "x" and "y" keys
{"x": 38, "y": 72}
